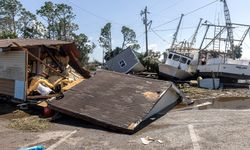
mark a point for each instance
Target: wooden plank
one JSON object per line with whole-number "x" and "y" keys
{"x": 42, "y": 104}
{"x": 71, "y": 85}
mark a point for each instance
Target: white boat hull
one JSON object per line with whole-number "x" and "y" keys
{"x": 172, "y": 72}
{"x": 225, "y": 70}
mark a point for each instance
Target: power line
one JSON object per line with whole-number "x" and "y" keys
{"x": 152, "y": 5}
{"x": 140, "y": 35}
{"x": 93, "y": 14}
{"x": 188, "y": 13}
{"x": 200, "y": 8}
{"x": 167, "y": 22}
{"x": 173, "y": 5}
{"x": 158, "y": 35}
{"x": 183, "y": 28}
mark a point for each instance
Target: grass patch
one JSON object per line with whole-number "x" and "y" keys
{"x": 194, "y": 90}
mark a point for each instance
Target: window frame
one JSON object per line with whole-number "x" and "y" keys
{"x": 122, "y": 63}
{"x": 185, "y": 60}
{"x": 170, "y": 56}
{"x": 176, "y": 56}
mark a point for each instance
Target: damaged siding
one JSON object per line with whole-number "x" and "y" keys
{"x": 12, "y": 73}
{"x": 124, "y": 62}
{"x": 12, "y": 65}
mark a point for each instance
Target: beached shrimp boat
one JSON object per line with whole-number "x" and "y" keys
{"x": 175, "y": 66}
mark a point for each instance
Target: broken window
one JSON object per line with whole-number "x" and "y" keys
{"x": 188, "y": 63}
{"x": 176, "y": 58}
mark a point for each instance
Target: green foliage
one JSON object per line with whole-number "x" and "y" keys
{"x": 105, "y": 38}
{"x": 26, "y": 24}
{"x": 151, "y": 61}
{"x": 60, "y": 25}
{"x": 134, "y": 46}
{"x": 47, "y": 11}
{"x": 84, "y": 46}
{"x": 129, "y": 39}
{"x": 7, "y": 35}
{"x": 10, "y": 9}
{"x": 113, "y": 53}
{"x": 16, "y": 21}
{"x": 59, "y": 19}
{"x": 64, "y": 25}
{"x": 92, "y": 66}
{"x": 238, "y": 52}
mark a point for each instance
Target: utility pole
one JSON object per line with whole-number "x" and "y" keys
{"x": 147, "y": 24}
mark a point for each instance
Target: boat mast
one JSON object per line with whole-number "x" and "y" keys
{"x": 176, "y": 32}
{"x": 195, "y": 34}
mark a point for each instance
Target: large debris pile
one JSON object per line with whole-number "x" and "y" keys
{"x": 47, "y": 68}
{"x": 54, "y": 77}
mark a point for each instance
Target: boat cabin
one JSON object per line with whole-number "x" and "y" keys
{"x": 177, "y": 60}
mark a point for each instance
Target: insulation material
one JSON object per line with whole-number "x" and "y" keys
{"x": 43, "y": 90}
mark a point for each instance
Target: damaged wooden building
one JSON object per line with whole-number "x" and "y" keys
{"x": 32, "y": 68}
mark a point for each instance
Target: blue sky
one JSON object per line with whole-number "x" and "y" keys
{"x": 92, "y": 15}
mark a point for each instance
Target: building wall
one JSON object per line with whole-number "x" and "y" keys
{"x": 7, "y": 87}
{"x": 12, "y": 65}
{"x": 13, "y": 73}
{"x": 123, "y": 62}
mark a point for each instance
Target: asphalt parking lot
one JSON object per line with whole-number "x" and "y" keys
{"x": 182, "y": 128}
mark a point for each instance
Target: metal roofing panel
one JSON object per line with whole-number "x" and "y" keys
{"x": 112, "y": 99}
